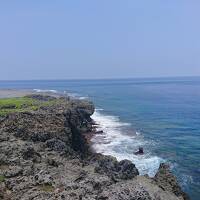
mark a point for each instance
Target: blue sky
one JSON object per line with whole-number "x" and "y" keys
{"x": 62, "y": 39}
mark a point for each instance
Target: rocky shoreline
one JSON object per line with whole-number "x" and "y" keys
{"x": 45, "y": 154}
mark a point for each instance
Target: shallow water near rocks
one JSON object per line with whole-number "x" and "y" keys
{"x": 161, "y": 115}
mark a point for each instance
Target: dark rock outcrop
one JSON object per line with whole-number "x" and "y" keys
{"x": 124, "y": 169}
{"x": 59, "y": 125}
{"x": 167, "y": 181}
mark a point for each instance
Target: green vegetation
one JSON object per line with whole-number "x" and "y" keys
{"x": 2, "y": 178}
{"x": 21, "y": 104}
{"x": 46, "y": 187}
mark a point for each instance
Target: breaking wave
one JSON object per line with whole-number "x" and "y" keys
{"x": 116, "y": 142}
{"x": 41, "y": 90}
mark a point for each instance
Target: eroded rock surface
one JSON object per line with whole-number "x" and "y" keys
{"x": 44, "y": 155}
{"x": 167, "y": 181}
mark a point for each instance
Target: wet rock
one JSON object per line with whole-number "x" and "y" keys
{"x": 98, "y": 132}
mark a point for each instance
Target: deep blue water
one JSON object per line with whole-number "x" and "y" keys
{"x": 166, "y": 113}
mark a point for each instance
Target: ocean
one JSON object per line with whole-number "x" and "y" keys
{"x": 162, "y": 115}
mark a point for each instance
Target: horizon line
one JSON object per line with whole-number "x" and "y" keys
{"x": 114, "y": 78}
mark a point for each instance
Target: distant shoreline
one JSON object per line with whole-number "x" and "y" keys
{"x": 8, "y": 93}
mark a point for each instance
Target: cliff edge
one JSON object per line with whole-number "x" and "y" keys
{"x": 44, "y": 154}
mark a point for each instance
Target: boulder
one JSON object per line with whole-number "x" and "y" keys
{"x": 109, "y": 165}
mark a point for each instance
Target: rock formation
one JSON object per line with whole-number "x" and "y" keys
{"x": 44, "y": 155}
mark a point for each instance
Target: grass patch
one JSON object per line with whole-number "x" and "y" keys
{"x": 2, "y": 178}
{"x": 46, "y": 188}
{"x": 21, "y": 104}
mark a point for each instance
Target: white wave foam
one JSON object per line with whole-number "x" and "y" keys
{"x": 114, "y": 142}
{"x": 83, "y": 98}
{"x": 75, "y": 95}
{"x": 41, "y": 90}
{"x": 137, "y": 133}
{"x": 99, "y": 109}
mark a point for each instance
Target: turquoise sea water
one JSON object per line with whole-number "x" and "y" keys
{"x": 162, "y": 115}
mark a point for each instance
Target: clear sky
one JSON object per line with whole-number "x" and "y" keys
{"x": 48, "y": 39}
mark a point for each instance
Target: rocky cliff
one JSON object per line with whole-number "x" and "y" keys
{"x": 44, "y": 155}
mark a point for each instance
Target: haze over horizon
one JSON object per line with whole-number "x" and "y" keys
{"x": 105, "y": 39}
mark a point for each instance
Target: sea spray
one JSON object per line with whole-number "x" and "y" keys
{"x": 114, "y": 141}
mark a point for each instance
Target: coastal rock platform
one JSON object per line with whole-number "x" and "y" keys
{"x": 44, "y": 154}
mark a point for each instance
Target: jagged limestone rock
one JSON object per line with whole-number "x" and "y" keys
{"x": 44, "y": 155}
